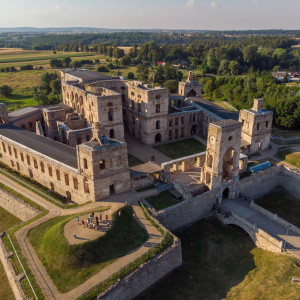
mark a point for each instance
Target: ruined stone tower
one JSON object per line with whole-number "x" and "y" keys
{"x": 189, "y": 88}
{"x": 3, "y": 113}
{"x": 221, "y": 168}
{"x": 256, "y": 127}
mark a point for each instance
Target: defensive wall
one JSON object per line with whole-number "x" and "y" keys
{"x": 192, "y": 209}
{"x": 17, "y": 207}
{"x": 146, "y": 274}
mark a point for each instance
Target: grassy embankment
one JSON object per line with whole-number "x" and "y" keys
{"x": 163, "y": 200}
{"x": 221, "y": 262}
{"x": 181, "y": 148}
{"x": 70, "y": 265}
{"x": 7, "y": 220}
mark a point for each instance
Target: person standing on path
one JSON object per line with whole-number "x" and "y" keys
{"x": 78, "y": 220}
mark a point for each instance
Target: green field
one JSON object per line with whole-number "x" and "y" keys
{"x": 70, "y": 265}
{"x": 181, "y": 148}
{"x": 43, "y": 56}
{"x": 7, "y": 220}
{"x": 221, "y": 262}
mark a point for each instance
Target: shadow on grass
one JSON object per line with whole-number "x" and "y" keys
{"x": 70, "y": 265}
{"x": 215, "y": 259}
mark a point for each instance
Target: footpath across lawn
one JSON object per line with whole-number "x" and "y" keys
{"x": 71, "y": 265}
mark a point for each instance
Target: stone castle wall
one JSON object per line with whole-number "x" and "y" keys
{"x": 261, "y": 183}
{"x": 17, "y": 207}
{"x": 146, "y": 274}
{"x": 187, "y": 211}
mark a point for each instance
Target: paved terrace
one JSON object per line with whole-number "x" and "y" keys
{"x": 241, "y": 208}
{"x": 116, "y": 201}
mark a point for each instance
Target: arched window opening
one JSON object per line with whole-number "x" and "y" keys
{"x": 102, "y": 164}
{"x": 157, "y": 124}
{"x": 110, "y": 114}
{"x": 112, "y": 134}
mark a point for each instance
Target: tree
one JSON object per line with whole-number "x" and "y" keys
{"x": 172, "y": 85}
{"x": 209, "y": 87}
{"x": 250, "y": 54}
{"x": 159, "y": 75}
{"x": 234, "y": 67}
{"x": 66, "y": 61}
{"x": 6, "y": 91}
{"x": 102, "y": 69}
{"x": 55, "y": 86}
{"x": 56, "y": 63}
{"x": 86, "y": 48}
{"x": 142, "y": 72}
{"x": 224, "y": 67}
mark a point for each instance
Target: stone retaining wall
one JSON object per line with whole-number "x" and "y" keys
{"x": 187, "y": 211}
{"x": 146, "y": 275}
{"x": 13, "y": 278}
{"x": 290, "y": 179}
{"x": 17, "y": 207}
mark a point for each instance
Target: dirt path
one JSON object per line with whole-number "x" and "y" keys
{"x": 115, "y": 202}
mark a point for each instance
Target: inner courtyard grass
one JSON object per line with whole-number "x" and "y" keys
{"x": 71, "y": 265}
{"x": 290, "y": 157}
{"x": 280, "y": 202}
{"x": 181, "y": 148}
{"x": 222, "y": 262}
{"x": 7, "y": 220}
{"x": 133, "y": 161}
{"x": 163, "y": 200}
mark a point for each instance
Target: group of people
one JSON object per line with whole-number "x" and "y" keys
{"x": 93, "y": 221}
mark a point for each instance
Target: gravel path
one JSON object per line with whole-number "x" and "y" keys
{"x": 115, "y": 202}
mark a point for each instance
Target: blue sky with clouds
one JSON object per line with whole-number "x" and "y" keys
{"x": 170, "y": 14}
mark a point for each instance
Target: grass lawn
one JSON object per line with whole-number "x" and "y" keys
{"x": 286, "y": 133}
{"x": 290, "y": 157}
{"x": 181, "y": 148}
{"x": 221, "y": 262}
{"x": 163, "y": 200}
{"x": 133, "y": 161}
{"x": 7, "y": 220}
{"x": 71, "y": 265}
{"x": 283, "y": 204}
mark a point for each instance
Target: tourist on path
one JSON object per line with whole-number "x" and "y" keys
{"x": 78, "y": 220}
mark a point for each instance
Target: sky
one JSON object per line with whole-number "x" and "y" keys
{"x": 149, "y": 14}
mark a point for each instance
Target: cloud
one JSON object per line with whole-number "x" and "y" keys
{"x": 213, "y": 4}
{"x": 190, "y": 3}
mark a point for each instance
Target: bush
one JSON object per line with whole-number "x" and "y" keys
{"x": 97, "y": 61}
{"x": 5, "y": 91}
{"x": 130, "y": 75}
{"x": 102, "y": 69}
{"x": 27, "y": 67}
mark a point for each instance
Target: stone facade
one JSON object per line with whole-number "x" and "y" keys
{"x": 256, "y": 127}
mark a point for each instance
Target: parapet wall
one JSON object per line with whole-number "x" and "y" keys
{"x": 187, "y": 211}
{"x": 146, "y": 275}
{"x": 17, "y": 207}
{"x": 290, "y": 179}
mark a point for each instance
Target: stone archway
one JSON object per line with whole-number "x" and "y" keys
{"x": 225, "y": 193}
{"x": 194, "y": 129}
{"x": 192, "y": 93}
{"x": 158, "y": 138}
